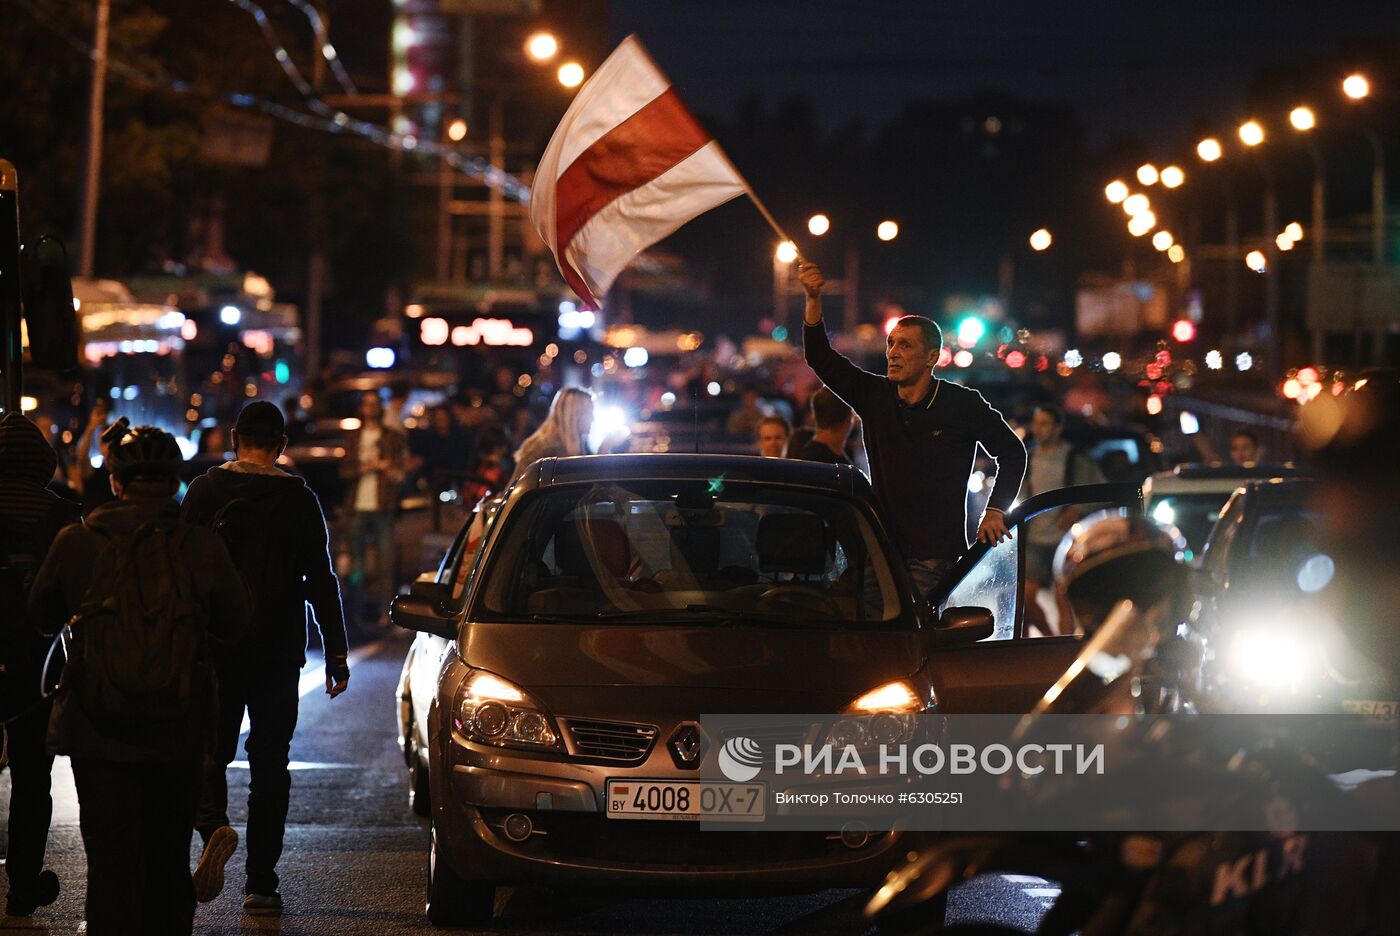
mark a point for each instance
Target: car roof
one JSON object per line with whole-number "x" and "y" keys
{"x": 782, "y": 472}
{"x": 1211, "y": 478}
{"x": 1279, "y": 490}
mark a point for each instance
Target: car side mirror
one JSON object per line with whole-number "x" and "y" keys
{"x": 963, "y": 625}
{"x": 424, "y": 609}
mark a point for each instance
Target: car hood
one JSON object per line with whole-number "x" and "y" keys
{"x": 752, "y": 660}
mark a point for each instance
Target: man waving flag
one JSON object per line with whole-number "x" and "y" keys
{"x": 627, "y": 165}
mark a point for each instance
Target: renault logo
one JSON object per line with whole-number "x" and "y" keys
{"x": 687, "y": 745}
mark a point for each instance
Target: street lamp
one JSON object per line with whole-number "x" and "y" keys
{"x": 1116, "y": 191}
{"x": 1255, "y": 261}
{"x": 1173, "y": 177}
{"x": 1135, "y": 205}
{"x": 457, "y": 130}
{"x": 542, "y": 46}
{"x": 786, "y": 252}
{"x": 1251, "y": 133}
{"x": 887, "y": 230}
{"x": 1141, "y": 223}
{"x": 1147, "y": 174}
{"x": 1176, "y": 253}
{"x": 818, "y": 224}
{"x": 1356, "y": 87}
{"x": 1294, "y": 230}
{"x": 1041, "y": 240}
{"x": 571, "y": 74}
{"x": 1163, "y": 240}
{"x": 1302, "y": 118}
{"x": 1209, "y": 149}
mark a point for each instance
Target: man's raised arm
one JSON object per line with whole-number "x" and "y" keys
{"x": 847, "y": 381}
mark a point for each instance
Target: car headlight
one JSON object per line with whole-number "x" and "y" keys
{"x": 1270, "y": 657}
{"x": 898, "y": 698}
{"x": 887, "y": 714}
{"x": 492, "y": 710}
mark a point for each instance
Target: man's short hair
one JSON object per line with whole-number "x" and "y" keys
{"x": 1050, "y": 409}
{"x": 932, "y": 334}
{"x": 1246, "y": 434}
{"x": 777, "y": 420}
{"x": 829, "y": 410}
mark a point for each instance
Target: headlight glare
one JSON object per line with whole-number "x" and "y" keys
{"x": 494, "y": 711}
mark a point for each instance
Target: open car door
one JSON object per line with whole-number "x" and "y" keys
{"x": 1009, "y": 671}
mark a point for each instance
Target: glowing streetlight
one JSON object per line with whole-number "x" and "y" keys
{"x": 887, "y": 230}
{"x": 1294, "y": 230}
{"x": 1302, "y": 118}
{"x": 1041, "y": 240}
{"x": 1163, "y": 240}
{"x": 1356, "y": 87}
{"x": 542, "y": 46}
{"x": 1255, "y": 260}
{"x": 1251, "y": 133}
{"x": 818, "y": 224}
{"x": 1284, "y": 242}
{"x": 1173, "y": 176}
{"x": 1135, "y": 205}
{"x": 1209, "y": 149}
{"x": 1147, "y": 174}
{"x": 571, "y": 74}
{"x": 457, "y": 130}
{"x": 786, "y": 252}
{"x": 1112, "y": 361}
{"x": 1141, "y": 223}
{"x": 1176, "y": 253}
{"x": 1116, "y": 191}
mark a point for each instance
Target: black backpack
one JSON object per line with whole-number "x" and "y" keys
{"x": 139, "y": 654}
{"x": 258, "y": 536}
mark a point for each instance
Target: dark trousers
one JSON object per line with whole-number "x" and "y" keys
{"x": 137, "y": 820}
{"x": 31, "y": 805}
{"x": 268, "y": 691}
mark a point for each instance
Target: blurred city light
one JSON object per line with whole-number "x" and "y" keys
{"x": 1209, "y": 149}
{"x": 1356, "y": 87}
{"x": 542, "y": 46}
{"x": 1112, "y": 361}
{"x": 1173, "y": 176}
{"x": 1147, "y": 174}
{"x": 1244, "y": 361}
{"x": 1136, "y": 204}
{"x": 890, "y": 323}
{"x": 1294, "y": 230}
{"x": 713, "y": 388}
{"x": 1183, "y": 330}
{"x": 887, "y": 230}
{"x": 1284, "y": 242}
{"x": 230, "y": 315}
{"x": 1141, "y": 223}
{"x": 571, "y": 74}
{"x": 1073, "y": 358}
{"x": 1302, "y": 118}
{"x": 635, "y": 357}
{"x": 787, "y": 252}
{"x": 1176, "y": 253}
{"x": 1190, "y": 425}
{"x": 1041, "y": 240}
{"x": 1251, "y": 133}
{"x": 1015, "y": 359}
{"x": 1116, "y": 191}
{"x": 379, "y": 358}
{"x": 1255, "y": 260}
{"x": 963, "y": 358}
{"x": 457, "y": 130}
{"x": 818, "y": 224}
{"x": 1154, "y": 405}
{"x": 970, "y": 331}
{"x": 1162, "y": 240}
{"x": 1215, "y": 360}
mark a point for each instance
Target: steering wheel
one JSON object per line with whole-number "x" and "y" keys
{"x": 798, "y": 598}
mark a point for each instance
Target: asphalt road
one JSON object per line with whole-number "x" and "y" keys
{"x": 356, "y": 857}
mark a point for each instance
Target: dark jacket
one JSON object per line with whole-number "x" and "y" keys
{"x": 921, "y": 455}
{"x": 298, "y": 547}
{"x": 58, "y": 594}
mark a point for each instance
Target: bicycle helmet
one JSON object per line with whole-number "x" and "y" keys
{"x": 145, "y": 453}
{"x": 1112, "y": 555}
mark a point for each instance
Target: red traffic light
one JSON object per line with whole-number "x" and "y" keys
{"x": 1183, "y": 330}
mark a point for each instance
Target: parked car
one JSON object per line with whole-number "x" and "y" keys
{"x": 611, "y": 600}
{"x": 1190, "y": 497}
{"x": 1274, "y": 645}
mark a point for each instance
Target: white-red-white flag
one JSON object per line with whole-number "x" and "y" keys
{"x": 627, "y": 165}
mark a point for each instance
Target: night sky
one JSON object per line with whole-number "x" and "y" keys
{"x": 1129, "y": 68}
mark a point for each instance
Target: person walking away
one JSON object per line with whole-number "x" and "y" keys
{"x": 145, "y": 596}
{"x": 564, "y": 432}
{"x": 774, "y": 436}
{"x": 31, "y": 517}
{"x": 921, "y": 434}
{"x": 273, "y": 527}
{"x": 374, "y": 466}
{"x": 1052, "y": 464}
{"x": 834, "y": 420}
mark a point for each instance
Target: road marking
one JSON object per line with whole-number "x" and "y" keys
{"x": 296, "y": 765}
{"x": 1023, "y": 879}
{"x": 1042, "y": 891}
{"x": 316, "y": 676}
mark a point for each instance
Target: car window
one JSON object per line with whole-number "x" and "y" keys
{"x": 1192, "y": 514}
{"x": 1215, "y": 559}
{"x": 731, "y": 552}
{"x": 992, "y": 583}
{"x": 473, "y": 538}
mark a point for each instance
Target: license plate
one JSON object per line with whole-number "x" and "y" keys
{"x": 686, "y": 800}
{"x": 1385, "y": 710}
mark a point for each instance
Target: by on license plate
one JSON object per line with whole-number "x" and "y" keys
{"x": 687, "y": 800}
{"x": 1386, "y": 710}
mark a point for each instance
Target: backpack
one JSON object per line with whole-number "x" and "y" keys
{"x": 22, "y": 550}
{"x": 257, "y": 535}
{"x": 139, "y": 655}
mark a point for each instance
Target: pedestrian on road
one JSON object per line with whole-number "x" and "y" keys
{"x": 922, "y": 435}
{"x": 834, "y": 419}
{"x": 774, "y": 437}
{"x": 273, "y": 526}
{"x": 145, "y": 595}
{"x": 565, "y": 430}
{"x": 31, "y": 517}
{"x": 374, "y": 465}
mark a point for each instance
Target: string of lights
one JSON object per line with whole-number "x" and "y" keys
{"x": 326, "y": 118}
{"x": 326, "y": 50}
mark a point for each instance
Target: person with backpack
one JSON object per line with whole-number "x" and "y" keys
{"x": 273, "y": 527}
{"x": 31, "y": 516}
{"x": 140, "y": 597}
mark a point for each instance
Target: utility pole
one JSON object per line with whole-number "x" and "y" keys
{"x": 316, "y": 262}
{"x": 497, "y": 245}
{"x": 92, "y": 175}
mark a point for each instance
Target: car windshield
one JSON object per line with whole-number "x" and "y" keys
{"x": 1193, "y": 514}
{"x": 691, "y": 552}
{"x": 1284, "y": 555}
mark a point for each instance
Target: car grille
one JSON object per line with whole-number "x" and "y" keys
{"x": 614, "y": 741}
